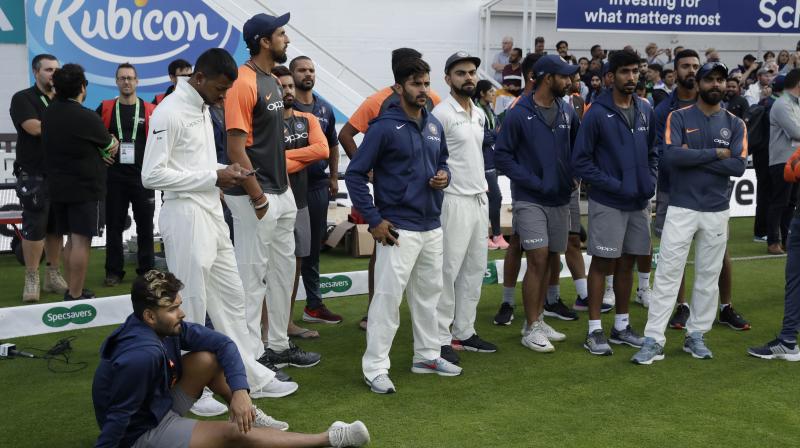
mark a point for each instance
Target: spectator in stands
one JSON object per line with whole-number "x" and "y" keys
{"x": 562, "y": 47}
{"x": 38, "y": 220}
{"x": 712, "y": 55}
{"x": 501, "y": 58}
{"x": 734, "y": 101}
{"x": 127, "y": 118}
{"x": 769, "y": 56}
{"x": 761, "y": 89}
{"x": 583, "y": 66}
{"x": 641, "y": 91}
{"x": 668, "y": 75}
{"x": 77, "y": 149}
{"x": 784, "y": 121}
{"x": 783, "y": 62}
{"x": 776, "y": 90}
{"x": 512, "y": 87}
{"x": 748, "y": 68}
{"x": 598, "y": 53}
{"x": 758, "y": 133}
{"x": 642, "y": 66}
{"x": 677, "y": 50}
{"x": 484, "y": 97}
{"x": 513, "y": 66}
{"x": 660, "y": 92}
{"x": 595, "y": 87}
{"x": 176, "y": 69}
{"x": 538, "y": 45}
{"x": 654, "y": 54}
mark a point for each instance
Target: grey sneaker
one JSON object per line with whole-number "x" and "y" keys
{"x": 265, "y": 421}
{"x": 597, "y": 344}
{"x": 30, "y": 293}
{"x": 342, "y": 434}
{"x": 54, "y": 282}
{"x": 626, "y": 336}
{"x": 381, "y": 384}
{"x": 695, "y": 345}
{"x": 438, "y": 366}
{"x": 776, "y": 349}
{"x": 651, "y": 351}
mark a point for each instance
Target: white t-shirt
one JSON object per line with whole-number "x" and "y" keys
{"x": 464, "y": 135}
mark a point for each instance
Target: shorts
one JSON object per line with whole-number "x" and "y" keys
{"x": 662, "y": 202}
{"x": 81, "y": 218}
{"x": 614, "y": 232}
{"x": 575, "y": 212}
{"x": 174, "y": 430}
{"x": 541, "y": 226}
{"x": 302, "y": 233}
{"x": 38, "y": 219}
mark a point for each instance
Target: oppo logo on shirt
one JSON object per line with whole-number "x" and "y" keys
{"x": 642, "y": 128}
{"x": 722, "y": 142}
{"x": 294, "y": 137}
{"x": 275, "y": 105}
{"x": 433, "y": 138}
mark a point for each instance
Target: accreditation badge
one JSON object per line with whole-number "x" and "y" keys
{"x": 126, "y": 153}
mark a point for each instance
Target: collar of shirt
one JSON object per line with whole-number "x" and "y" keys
{"x": 457, "y": 106}
{"x": 189, "y": 93}
{"x": 793, "y": 98}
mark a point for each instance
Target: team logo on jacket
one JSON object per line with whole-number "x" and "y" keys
{"x": 432, "y": 128}
{"x": 725, "y": 133}
{"x": 299, "y": 126}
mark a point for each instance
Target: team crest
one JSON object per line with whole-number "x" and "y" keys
{"x": 432, "y": 128}
{"x": 725, "y": 133}
{"x": 299, "y": 126}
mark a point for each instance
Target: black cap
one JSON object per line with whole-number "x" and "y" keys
{"x": 458, "y": 57}
{"x": 262, "y": 25}
{"x": 777, "y": 83}
{"x": 553, "y": 64}
{"x": 710, "y": 67}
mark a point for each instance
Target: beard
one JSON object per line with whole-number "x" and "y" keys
{"x": 288, "y": 102}
{"x": 465, "y": 90}
{"x": 280, "y": 58}
{"x": 687, "y": 83}
{"x": 304, "y": 85}
{"x": 712, "y": 96}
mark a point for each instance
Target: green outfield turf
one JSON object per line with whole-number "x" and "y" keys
{"x": 512, "y": 398}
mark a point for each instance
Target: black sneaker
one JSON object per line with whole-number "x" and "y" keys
{"x": 476, "y": 344}
{"x": 560, "y": 311}
{"x": 293, "y": 356}
{"x": 85, "y": 294}
{"x": 280, "y": 375}
{"x": 112, "y": 280}
{"x": 504, "y": 315}
{"x": 680, "y": 317}
{"x": 731, "y": 318}
{"x": 450, "y": 355}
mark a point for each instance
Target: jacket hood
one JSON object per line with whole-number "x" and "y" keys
{"x": 395, "y": 112}
{"x": 133, "y": 334}
{"x": 606, "y": 99}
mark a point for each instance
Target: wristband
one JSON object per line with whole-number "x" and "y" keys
{"x": 262, "y": 206}
{"x": 258, "y": 198}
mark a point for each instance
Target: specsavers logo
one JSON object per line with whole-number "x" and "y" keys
{"x": 59, "y": 316}
{"x": 101, "y": 34}
{"x": 337, "y": 283}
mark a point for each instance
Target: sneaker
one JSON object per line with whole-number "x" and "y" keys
{"x": 583, "y": 305}
{"x": 362, "y": 324}
{"x": 643, "y": 296}
{"x": 438, "y": 366}
{"x": 680, "y": 317}
{"x": 650, "y": 351}
{"x": 265, "y": 421}
{"x": 536, "y": 339}
{"x": 54, "y": 282}
{"x": 112, "y": 280}
{"x": 342, "y": 434}
{"x": 381, "y": 384}
{"x": 207, "y": 406}
{"x": 449, "y": 354}
{"x": 626, "y": 336}
{"x": 597, "y": 344}
{"x": 293, "y": 356}
{"x": 551, "y": 333}
{"x": 694, "y": 344}
{"x": 321, "y": 315}
{"x": 490, "y": 244}
{"x": 560, "y": 311}
{"x": 280, "y": 375}
{"x": 760, "y": 239}
{"x": 609, "y": 298}
{"x": 30, "y": 293}
{"x": 775, "y": 249}
{"x": 731, "y": 318}
{"x": 456, "y": 345}
{"x": 85, "y": 295}
{"x": 504, "y": 315}
{"x": 500, "y": 242}
{"x": 476, "y": 344}
{"x": 88, "y": 293}
{"x": 275, "y": 389}
{"x": 776, "y": 349}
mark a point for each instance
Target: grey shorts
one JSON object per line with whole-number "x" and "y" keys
{"x": 614, "y": 232}
{"x": 575, "y": 212}
{"x": 174, "y": 430}
{"x": 662, "y": 201}
{"x": 541, "y": 226}
{"x": 302, "y": 234}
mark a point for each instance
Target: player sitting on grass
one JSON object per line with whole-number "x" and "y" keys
{"x": 143, "y": 386}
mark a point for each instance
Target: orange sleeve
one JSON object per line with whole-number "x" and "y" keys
{"x": 293, "y": 166}
{"x": 744, "y": 142}
{"x": 667, "y": 130}
{"x": 791, "y": 171}
{"x": 369, "y": 109}
{"x": 239, "y": 102}
{"x": 317, "y": 148}
{"x": 435, "y": 98}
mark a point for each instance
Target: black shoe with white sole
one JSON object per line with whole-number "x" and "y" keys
{"x": 476, "y": 344}
{"x": 560, "y": 311}
{"x": 293, "y": 356}
{"x": 449, "y": 354}
{"x": 504, "y": 315}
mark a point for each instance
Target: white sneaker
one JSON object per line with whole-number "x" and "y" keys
{"x": 537, "y": 340}
{"x": 265, "y": 421}
{"x": 207, "y": 406}
{"x": 551, "y": 333}
{"x": 525, "y": 328}
{"x": 30, "y": 293}
{"x": 342, "y": 434}
{"x": 381, "y": 384}
{"x": 643, "y": 296}
{"x": 275, "y": 389}
{"x": 608, "y": 297}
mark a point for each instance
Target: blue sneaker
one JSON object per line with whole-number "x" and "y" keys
{"x": 650, "y": 351}
{"x": 695, "y": 345}
{"x": 438, "y": 366}
{"x": 583, "y": 305}
{"x": 776, "y": 349}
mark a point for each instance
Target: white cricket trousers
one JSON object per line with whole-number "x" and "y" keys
{"x": 416, "y": 267}
{"x": 200, "y": 254}
{"x": 710, "y": 233}
{"x": 265, "y": 255}
{"x": 465, "y": 220}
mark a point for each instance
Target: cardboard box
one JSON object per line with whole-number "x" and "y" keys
{"x": 363, "y": 242}
{"x": 338, "y": 233}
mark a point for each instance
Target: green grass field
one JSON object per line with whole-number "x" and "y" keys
{"x": 513, "y": 398}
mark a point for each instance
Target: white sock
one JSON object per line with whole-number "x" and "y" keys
{"x": 553, "y": 292}
{"x": 581, "y": 288}
{"x": 609, "y": 281}
{"x": 723, "y": 305}
{"x": 595, "y": 325}
{"x": 621, "y": 321}
{"x": 644, "y": 280}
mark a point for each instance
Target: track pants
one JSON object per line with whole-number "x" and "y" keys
{"x": 464, "y": 222}
{"x": 791, "y": 306}
{"x": 199, "y": 252}
{"x": 119, "y": 194}
{"x": 415, "y": 266}
{"x": 710, "y": 233}
{"x": 265, "y": 255}
{"x": 309, "y": 268}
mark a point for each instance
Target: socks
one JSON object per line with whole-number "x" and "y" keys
{"x": 553, "y": 294}
{"x": 508, "y": 295}
{"x": 621, "y": 321}
{"x": 595, "y": 325}
{"x": 644, "y": 280}
{"x": 581, "y": 288}
{"x": 609, "y": 281}
{"x": 723, "y": 305}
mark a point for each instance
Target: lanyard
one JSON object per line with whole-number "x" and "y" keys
{"x": 135, "y": 122}
{"x": 44, "y": 100}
